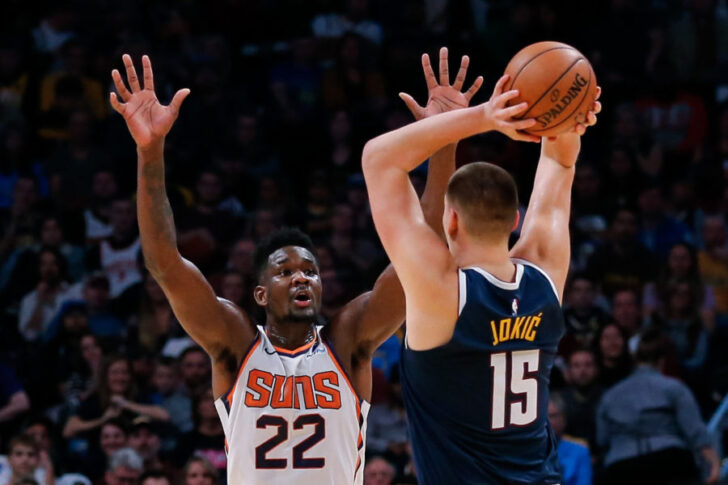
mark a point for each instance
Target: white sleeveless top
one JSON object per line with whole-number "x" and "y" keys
{"x": 120, "y": 265}
{"x": 293, "y": 417}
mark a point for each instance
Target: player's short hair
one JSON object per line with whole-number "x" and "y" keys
{"x": 486, "y": 198}
{"x": 285, "y": 236}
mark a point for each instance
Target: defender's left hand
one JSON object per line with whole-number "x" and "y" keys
{"x": 442, "y": 96}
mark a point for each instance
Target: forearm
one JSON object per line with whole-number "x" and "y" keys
{"x": 439, "y": 171}
{"x": 156, "y": 223}
{"x": 19, "y": 403}
{"x": 76, "y": 425}
{"x": 410, "y": 145}
{"x": 155, "y": 412}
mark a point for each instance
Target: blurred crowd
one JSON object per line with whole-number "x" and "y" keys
{"x": 98, "y": 381}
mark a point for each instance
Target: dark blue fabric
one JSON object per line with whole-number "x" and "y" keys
{"x": 448, "y": 391}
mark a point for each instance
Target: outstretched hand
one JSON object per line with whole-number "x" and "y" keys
{"x": 148, "y": 121}
{"x": 442, "y": 96}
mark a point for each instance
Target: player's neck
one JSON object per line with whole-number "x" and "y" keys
{"x": 290, "y": 334}
{"x": 492, "y": 257}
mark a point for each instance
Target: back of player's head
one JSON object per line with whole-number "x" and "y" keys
{"x": 486, "y": 199}
{"x": 285, "y": 236}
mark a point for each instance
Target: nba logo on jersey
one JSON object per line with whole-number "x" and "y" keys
{"x": 514, "y": 306}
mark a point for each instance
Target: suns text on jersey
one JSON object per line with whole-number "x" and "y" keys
{"x": 515, "y": 328}
{"x": 294, "y": 392}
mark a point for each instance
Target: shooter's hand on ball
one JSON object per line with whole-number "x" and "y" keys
{"x": 565, "y": 148}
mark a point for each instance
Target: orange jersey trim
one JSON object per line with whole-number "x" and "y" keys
{"x": 295, "y": 351}
{"x": 240, "y": 371}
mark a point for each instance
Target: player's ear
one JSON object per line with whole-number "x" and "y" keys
{"x": 516, "y": 221}
{"x": 453, "y": 223}
{"x": 260, "y": 293}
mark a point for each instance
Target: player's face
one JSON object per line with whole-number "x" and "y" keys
{"x": 292, "y": 288}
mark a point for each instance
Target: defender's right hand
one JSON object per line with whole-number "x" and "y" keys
{"x": 148, "y": 121}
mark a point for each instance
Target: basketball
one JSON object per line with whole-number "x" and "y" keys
{"x": 556, "y": 81}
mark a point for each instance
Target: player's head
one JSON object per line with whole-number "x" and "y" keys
{"x": 289, "y": 283}
{"x": 481, "y": 204}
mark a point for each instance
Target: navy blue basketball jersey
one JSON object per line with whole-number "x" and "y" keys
{"x": 477, "y": 407}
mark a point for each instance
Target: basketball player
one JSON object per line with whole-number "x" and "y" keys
{"x": 483, "y": 322}
{"x": 291, "y": 396}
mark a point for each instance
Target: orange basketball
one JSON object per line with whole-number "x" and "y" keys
{"x": 557, "y": 82}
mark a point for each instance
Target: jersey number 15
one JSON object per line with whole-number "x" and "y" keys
{"x": 519, "y": 369}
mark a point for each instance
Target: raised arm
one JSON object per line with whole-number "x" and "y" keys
{"x": 221, "y": 328}
{"x": 377, "y": 314}
{"x": 421, "y": 259}
{"x": 544, "y": 237}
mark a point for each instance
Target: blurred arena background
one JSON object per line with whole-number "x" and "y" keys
{"x": 284, "y": 95}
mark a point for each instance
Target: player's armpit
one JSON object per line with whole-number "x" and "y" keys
{"x": 545, "y": 239}
{"x": 217, "y": 325}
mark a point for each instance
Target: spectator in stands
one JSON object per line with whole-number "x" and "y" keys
{"x": 115, "y": 397}
{"x": 581, "y": 397}
{"x": 234, "y": 289}
{"x": 583, "y": 317}
{"x": 38, "y": 307}
{"x": 168, "y": 393}
{"x": 14, "y": 401}
{"x": 145, "y": 440}
{"x": 153, "y": 323}
{"x": 241, "y": 257}
{"x": 387, "y": 425}
{"x": 117, "y": 254}
{"x": 19, "y": 222}
{"x": 713, "y": 261}
{"x": 679, "y": 322}
{"x": 207, "y": 438}
{"x": 658, "y": 230}
{"x": 196, "y": 370}
{"x": 576, "y": 467}
{"x": 125, "y": 468}
{"x": 378, "y": 471}
{"x": 649, "y": 426}
{"x": 26, "y": 460}
{"x": 97, "y": 216}
{"x": 101, "y": 321}
{"x": 682, "y": 263}
{"x": 623, "y": 262}
{"x": 199, "y": 471}
{"x": 114, "y": 435}
{"x": 154, "y": 477}
{"x": 19, "y": 268}
{"x": 613, "y": 358}
{"x": 627, "y": 314}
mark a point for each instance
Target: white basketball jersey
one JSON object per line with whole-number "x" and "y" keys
{"x": 293, "y": 417}
{"x": 120, "y": 265}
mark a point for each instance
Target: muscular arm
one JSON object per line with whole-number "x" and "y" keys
{"x": 377, "y": 314}
{"x": 544, "y": 237}
{"x": 221, "y": 328}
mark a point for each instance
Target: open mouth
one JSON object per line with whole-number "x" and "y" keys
{"x": 302, "y": 299}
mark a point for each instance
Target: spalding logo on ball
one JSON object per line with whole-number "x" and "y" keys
{"x": 557, "y": 82}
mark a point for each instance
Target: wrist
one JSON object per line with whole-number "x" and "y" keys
{"x": 151, "y": 151}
